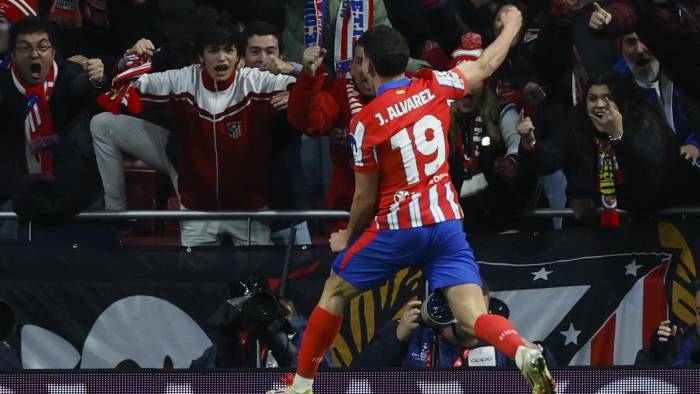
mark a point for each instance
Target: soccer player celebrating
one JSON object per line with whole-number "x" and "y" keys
{"x": 405, "y": 211}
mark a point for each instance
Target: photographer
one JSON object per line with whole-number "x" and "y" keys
{"x": 255, "y": 314}
{"x": 671, "y": 345}
{"x": 410, "y": 342}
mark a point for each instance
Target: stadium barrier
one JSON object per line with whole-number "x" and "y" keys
{"x": 349, "y": 381}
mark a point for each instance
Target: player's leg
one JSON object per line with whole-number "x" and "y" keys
{"x": 322, "y": 329}
{"x": 372, "y": 258}
{"x": 453, "y": 268}
{"x": 467, "y": 304}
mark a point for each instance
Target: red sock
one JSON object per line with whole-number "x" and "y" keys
{"x": 499, "y": 332}
{"x": 320, "y": 333}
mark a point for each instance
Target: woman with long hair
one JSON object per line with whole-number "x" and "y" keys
{"x": 617, "y": 151}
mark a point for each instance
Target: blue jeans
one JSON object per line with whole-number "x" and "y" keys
{"x": 554, "y": 185}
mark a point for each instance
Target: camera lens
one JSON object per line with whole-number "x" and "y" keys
{"x": 435, "y": 312}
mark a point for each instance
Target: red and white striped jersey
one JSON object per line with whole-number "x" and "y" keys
{"x": 403, "y": 135}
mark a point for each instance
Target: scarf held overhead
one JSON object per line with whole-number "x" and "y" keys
{"x": 353, "y": 19}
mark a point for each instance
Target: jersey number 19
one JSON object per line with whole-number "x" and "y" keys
{"x": 404, "y": 141}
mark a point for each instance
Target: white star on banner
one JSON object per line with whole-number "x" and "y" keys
{"x": 541, "y": 274}
{"x": 571, "y": 335}
{"x": 631, "y": 268}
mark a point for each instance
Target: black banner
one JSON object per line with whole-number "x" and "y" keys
{"x": 594, "y": 296}
{"x": 77, "y": 307}
{"x": 575, "y": 289}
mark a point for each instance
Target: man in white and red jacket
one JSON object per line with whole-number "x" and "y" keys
{"x": 224, "y": 128}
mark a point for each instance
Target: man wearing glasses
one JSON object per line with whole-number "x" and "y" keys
{"x": 46, "y": 159}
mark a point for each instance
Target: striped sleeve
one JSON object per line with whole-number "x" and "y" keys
{"x": 364, "y": 153}
{"x": 451, "y": 84}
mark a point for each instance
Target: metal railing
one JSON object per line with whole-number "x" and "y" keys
{"x": 202, "y": 215}
{"x": 304, "y": 215}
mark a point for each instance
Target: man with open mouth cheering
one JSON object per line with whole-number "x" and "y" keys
{"x": 46, "y": 159}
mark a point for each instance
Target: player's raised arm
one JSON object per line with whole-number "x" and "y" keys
{"x": 495, "y": 53}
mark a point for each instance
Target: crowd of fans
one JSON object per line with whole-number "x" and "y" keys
{"x": 597, "y": 106}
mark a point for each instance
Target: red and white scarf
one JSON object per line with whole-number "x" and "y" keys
{"x": 470, "y": 145}
{"x": 314, "y": 18}
{"x": 339, "y": 136}
{"x": 353, "y": 98}
{"x": 123, "y": 90}
{"x": 354, "y": 18}
{"x": 609, "y": 177}
{"x": 38, "y": 123}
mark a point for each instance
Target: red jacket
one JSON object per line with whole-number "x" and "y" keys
{"x": 319, "y": 107}
{"x": 670, "y": 30}
{"x": 225, "y": 134}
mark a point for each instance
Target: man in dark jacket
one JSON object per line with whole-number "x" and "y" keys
{"x": 671, "y": 30}
{"x": 46, "y": 158}
{"x": 642, "y": 67}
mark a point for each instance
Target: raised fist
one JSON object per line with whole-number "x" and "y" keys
{"x": 313, "y": 58}
{"x": 599, "y": 18}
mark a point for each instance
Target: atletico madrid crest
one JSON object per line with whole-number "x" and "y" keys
{"x": 234, "y": 130}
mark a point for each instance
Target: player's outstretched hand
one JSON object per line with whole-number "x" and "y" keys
{"x": 511, "y": 15}
{"x": 338, "y": 241}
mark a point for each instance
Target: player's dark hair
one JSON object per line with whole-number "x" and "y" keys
{"x": 387, "y": 49}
